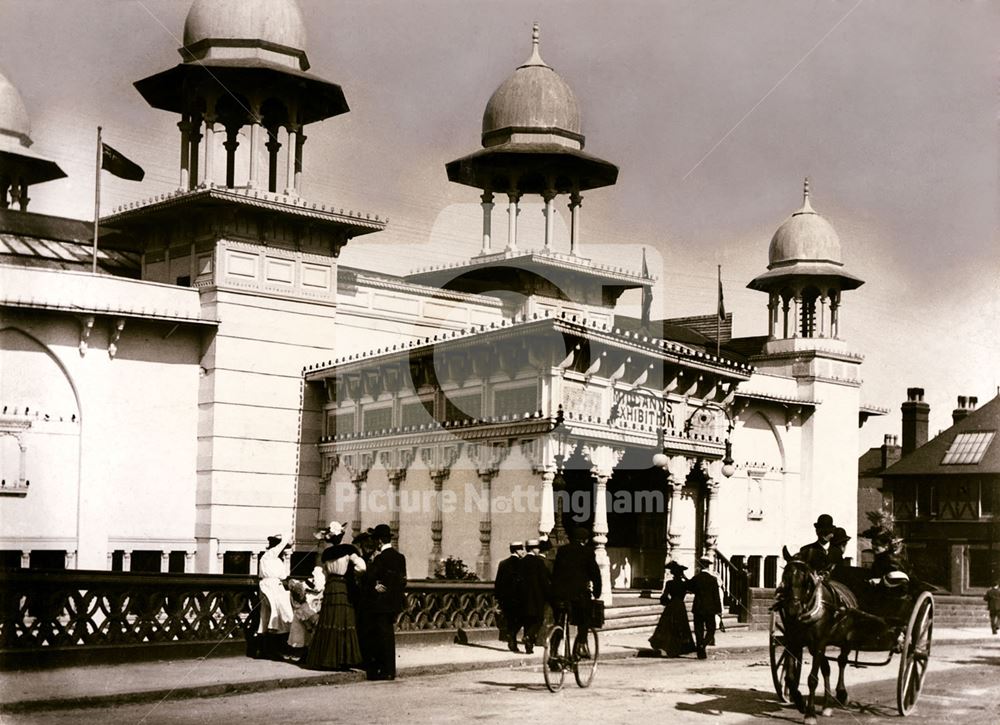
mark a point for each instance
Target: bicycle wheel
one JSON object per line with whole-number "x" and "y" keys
{"x": 584, "y": 669}
{"x": 554, "y": 678}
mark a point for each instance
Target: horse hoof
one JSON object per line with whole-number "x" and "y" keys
{"x": 827, "y": 712}
{"x": 810, "y": 721}
{"x": 842, "y": 697}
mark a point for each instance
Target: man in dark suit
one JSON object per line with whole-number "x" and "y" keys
{"x": 533, "y": 594}
{"x": 707, "y": 604}
{"x": 576, "y": 581}
{"x": 507, "y": 589}
{"x": 387, "y": 579}
{"x": 817, "y": 554}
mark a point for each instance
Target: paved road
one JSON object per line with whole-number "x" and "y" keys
{"x": 963, "y": 688}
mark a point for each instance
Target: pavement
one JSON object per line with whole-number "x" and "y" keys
{"x": 109, "y": 685}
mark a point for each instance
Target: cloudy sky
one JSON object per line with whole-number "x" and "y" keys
{"x": 714, "y": 112}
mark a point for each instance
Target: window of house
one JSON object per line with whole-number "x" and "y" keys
{"x": 47, "y": 559}
{"x": 177, "y": 562}
{"x": 926, "y": 499}
{"x": 463, "y": 407}
{"x": 147, "y": 561}
{"x": 980, "y": 573}
{"x": 515, "y": 401}
{"x": 236, "y": 562}
{"x": 378, "y": 419}
{"x": 986, "y": 492}
{"x": 968, "y": 448}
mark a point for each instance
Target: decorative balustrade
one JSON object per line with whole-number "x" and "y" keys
{"x": 91, "y": 611}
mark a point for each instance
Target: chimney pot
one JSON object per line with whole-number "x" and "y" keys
{"x": 961, "y": 401}
{"x": 973, "y": 401}
{"x": 888, "y": 440}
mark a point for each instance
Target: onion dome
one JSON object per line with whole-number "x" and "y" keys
{"x": 18, "y": 164}
{"x": 805, "y": 236}
{"x": 806, "y": 244}
{"x": 532, "y": 139}
{"x": 216, "y": 29}
{"x": 534, "y": 100}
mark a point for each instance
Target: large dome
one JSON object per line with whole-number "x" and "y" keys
{"x": 271, "y": 21}
{"x": 13, "y": 115}
{"x": 535, "y": 99}
{"x": 804, "y": 237}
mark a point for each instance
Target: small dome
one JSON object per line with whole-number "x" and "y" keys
{"x": 535, "y": 99}
{"x": 805, "y": 236}
{"x": 13, "y": 115}
{"x": 271, "y": 21}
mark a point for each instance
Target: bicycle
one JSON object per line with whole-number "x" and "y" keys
{"x": 584, "y": 666}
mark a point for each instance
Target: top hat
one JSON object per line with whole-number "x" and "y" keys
{"x": 840, "y": 536}
{"x": 824, "y": 523}
{"x": 580, "y": 534}
{"x": 383, "y": 533}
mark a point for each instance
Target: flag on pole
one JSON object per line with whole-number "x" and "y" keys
{"x": 647, "y": 292}
{"x": 116, "y": 163}
{"x": 722, "y": 304}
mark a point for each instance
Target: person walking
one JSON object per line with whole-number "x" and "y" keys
{"x": 992, "y": 598}
{"x": 672, "y": 636}
{"x": 507, "y": 589}
{"x": 275, "y": 606}
{"x": 576, "y": 582}
{"x": 387, "y": 584}
{"x": 360, "y": 592}
{"x": 706, "y": 607}
{"x": 533, "y": 594}
{"x": 334, "y": 644}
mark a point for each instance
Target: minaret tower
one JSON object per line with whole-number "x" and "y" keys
{"x": 262, "y": 259}
{"x": 805, "y": 280}
{"x": 533, "y": 143}
{"x": 20, "y": 167}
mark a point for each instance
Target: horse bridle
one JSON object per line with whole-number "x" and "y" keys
{"x": 814, "y": 608}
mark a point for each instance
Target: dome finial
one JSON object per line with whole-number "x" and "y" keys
{"x": 536, "y": 58}
{"x": 805, "y": 190}
{"x": 806, "y": 206}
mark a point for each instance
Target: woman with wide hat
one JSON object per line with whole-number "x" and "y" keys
{"x": 275, "y": 606}
{"x": 334, "y": 643}
{"x": 672, "y": 636}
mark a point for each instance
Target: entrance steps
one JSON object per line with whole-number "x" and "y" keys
{"x": 632, "y": 612}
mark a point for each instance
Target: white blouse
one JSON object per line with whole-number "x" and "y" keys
{"x": 338, "y": 567}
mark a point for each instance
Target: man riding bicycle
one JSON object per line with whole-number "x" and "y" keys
{"x": 575, "y": 576}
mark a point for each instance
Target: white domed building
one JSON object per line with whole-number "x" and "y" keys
{"x": 223, "y": 377}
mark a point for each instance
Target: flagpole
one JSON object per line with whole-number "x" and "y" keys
{"x": 718, "y": 318}
{"x": 97, "y": 198}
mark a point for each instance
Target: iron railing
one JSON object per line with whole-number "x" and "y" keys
{"x": 735, "y": 586}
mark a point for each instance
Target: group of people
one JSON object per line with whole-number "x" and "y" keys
{"x": 527, "y": 581}
{"x": 672, "y": 636}
{"x": 344, "y": 615}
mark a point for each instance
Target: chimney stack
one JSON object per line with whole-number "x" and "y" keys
{"x": 965, "y": 406}
{"x": 890, "y": 451}
{"x": 915, "y": 417}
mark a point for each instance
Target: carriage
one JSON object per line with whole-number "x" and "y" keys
{"x": 911, "y": 635}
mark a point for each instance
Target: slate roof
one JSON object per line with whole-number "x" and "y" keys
{"x": 926, "y": 460}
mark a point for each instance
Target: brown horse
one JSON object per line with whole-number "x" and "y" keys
{"x": 817, "y": 614}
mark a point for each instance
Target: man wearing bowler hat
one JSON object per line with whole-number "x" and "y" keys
{"x": 576, "y": 582}
{"x": 507, "y": 589}
{"x": 387, "y": 581}
{"x": 706, "y": 606}
{"x": 817, "y": 554}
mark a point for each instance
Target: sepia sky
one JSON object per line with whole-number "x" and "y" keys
{"x": 714, "y": 111}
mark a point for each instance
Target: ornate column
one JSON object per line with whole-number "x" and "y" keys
{"x": 796, "y": 313}
{"x": 437, "y": 524}
{"x": 396, "y": 463}
{"x": 603, "y": 460}
{"x": 254, "y": 143}
{"x": 231, "y": 143}
{"x": 487, "y": 198}
{"x": 127, "y": 560}
{"x": 484, "y": 563}
{"x": 711, "y": 493}
{"x": 549, "y": 196}
{"x": 273, "y": 146}
{"x": 358, "y": 466}
{"x": 547, "y": 514}
{"x": 512, "y": 210}
{"x": 835, "y": 315}
{"x": 292, "y": 144}
{"x": 300, "y": 141}
{"x": 195, "y": 135}
{"x": 164, "y": 561}
{"x": 26, "y": 559}
{"x": 188, "y": 562}
{"x": 185, "y": 126}
{"x": 209, "y": 144}
{"x": 772, "y": 314}
{"x": 784, "y": 317}
{"x": 678, "y": 468}
{"x": 575, "y": 200}
{"x": 821, "y": 327}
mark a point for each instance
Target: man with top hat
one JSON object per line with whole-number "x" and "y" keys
{"x": 507, "y": 588}
{"x": 817, "y": 554}
{"x": 533, "y": 594}
{"x": 576, "y": 582}
{"x": 707, "y": 605}
{"x": 386, "y": 580}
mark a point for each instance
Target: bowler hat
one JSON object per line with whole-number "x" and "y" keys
{"x": 840, "y": 536}
{"x": 580, "y": 534}
{"x": 383, "y": 533}
{"x": 824, "y": 523}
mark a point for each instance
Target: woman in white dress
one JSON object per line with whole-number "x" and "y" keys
{"x": 275, "y": 606}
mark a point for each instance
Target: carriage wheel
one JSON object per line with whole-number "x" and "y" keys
{"x": 916, "y": 654}
{"x": 781, "y": 659}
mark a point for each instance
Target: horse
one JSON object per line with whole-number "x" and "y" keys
{"x": 818, "y": 613}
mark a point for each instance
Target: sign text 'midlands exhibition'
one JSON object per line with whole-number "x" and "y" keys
{"x": 633, "y": 408}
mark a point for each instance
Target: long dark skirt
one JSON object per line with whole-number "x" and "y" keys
{"x": 335, "y": 642}
{"x": 672, "y": 633}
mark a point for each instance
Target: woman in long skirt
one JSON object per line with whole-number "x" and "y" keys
{"x": 334, "y": 643}
{"x": 275, "y": 606}
{"x": 673, "y": 633}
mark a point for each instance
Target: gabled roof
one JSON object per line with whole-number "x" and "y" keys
{"x": 926, "y": 460}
